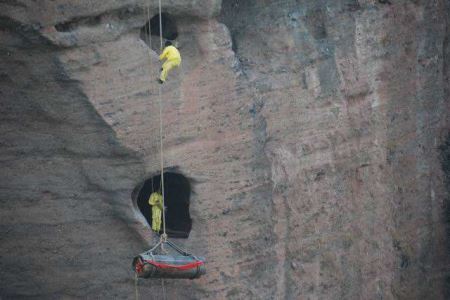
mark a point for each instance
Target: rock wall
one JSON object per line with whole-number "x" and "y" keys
{"x": 310, "y": 131}
{"x": 353, "y": 105}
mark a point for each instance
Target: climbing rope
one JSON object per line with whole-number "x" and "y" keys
{"x": 160, "y": 26}
{"x": 164, "y": 235}
{"x": 136, "y": 286}
{"x": 186, "y": 265}
{"x": 163, "y": 289}
{"x": 161, "y": 132}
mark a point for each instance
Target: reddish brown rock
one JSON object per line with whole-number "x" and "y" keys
{"x": 313, "y": 134}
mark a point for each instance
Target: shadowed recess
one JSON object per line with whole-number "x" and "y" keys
{"x": 177, "y": 192}
{"x": 445, "y": 163}
{"x": 169, "y": 31}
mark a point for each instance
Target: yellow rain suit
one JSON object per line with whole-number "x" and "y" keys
{"x": 173, "y": 60}
{"x": 155, "y": 201}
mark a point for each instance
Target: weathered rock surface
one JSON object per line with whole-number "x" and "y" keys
{"x": 310, "y": 131}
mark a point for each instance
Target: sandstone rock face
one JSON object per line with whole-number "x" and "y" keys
{"x": 313, "y": 134}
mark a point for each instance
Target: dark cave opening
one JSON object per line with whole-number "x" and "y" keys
{"x": 445, "y": 164}
{"x": 169, "y": 29}
{"x": 177, "y": 193}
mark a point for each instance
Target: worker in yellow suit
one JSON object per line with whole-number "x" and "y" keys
{"x": 173, "y": 60}
{"x": 156, "y": 202}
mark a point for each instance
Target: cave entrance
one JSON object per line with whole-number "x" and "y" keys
{"x": 169, "y": 30}
{"x": 177, "y": 193}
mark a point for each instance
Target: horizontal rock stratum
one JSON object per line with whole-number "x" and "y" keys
{"x": 314, "y": 136}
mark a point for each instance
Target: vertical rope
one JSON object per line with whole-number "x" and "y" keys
{"x": 160, "y": 109}
{"x": 161, "y": 143}
{"x": 136, "y": 286}
{"x": 162, "y": 160}
{"x": 160, "y": 26}
{"x": 149, "y": 39}
{"x": 164, "y": 236}
{"x": 161, "y": 128}
{"x": 163, "y": 289}
{"x": 149, "y": 36}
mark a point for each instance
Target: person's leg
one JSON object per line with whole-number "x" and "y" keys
{"x": 156, "y": 219}
{"x": 167, "y": 66}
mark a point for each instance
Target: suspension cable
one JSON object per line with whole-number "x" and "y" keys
{"x": 149, "y": 39}
{"x": 160, "y": 26}
{"x": 164, "y": 235}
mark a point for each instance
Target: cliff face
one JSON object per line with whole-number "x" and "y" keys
{"x": 352, "y": 104}
{"x": 313, "y": 134}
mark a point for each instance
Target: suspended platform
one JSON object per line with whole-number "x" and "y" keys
{"x": 183, "y": 265}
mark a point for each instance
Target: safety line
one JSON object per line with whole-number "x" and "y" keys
{"x": 136, "y": 286}
{"x": 163, "y": 288}
{"x": 160, "y": 26}
{"x": 164, "y": 235}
